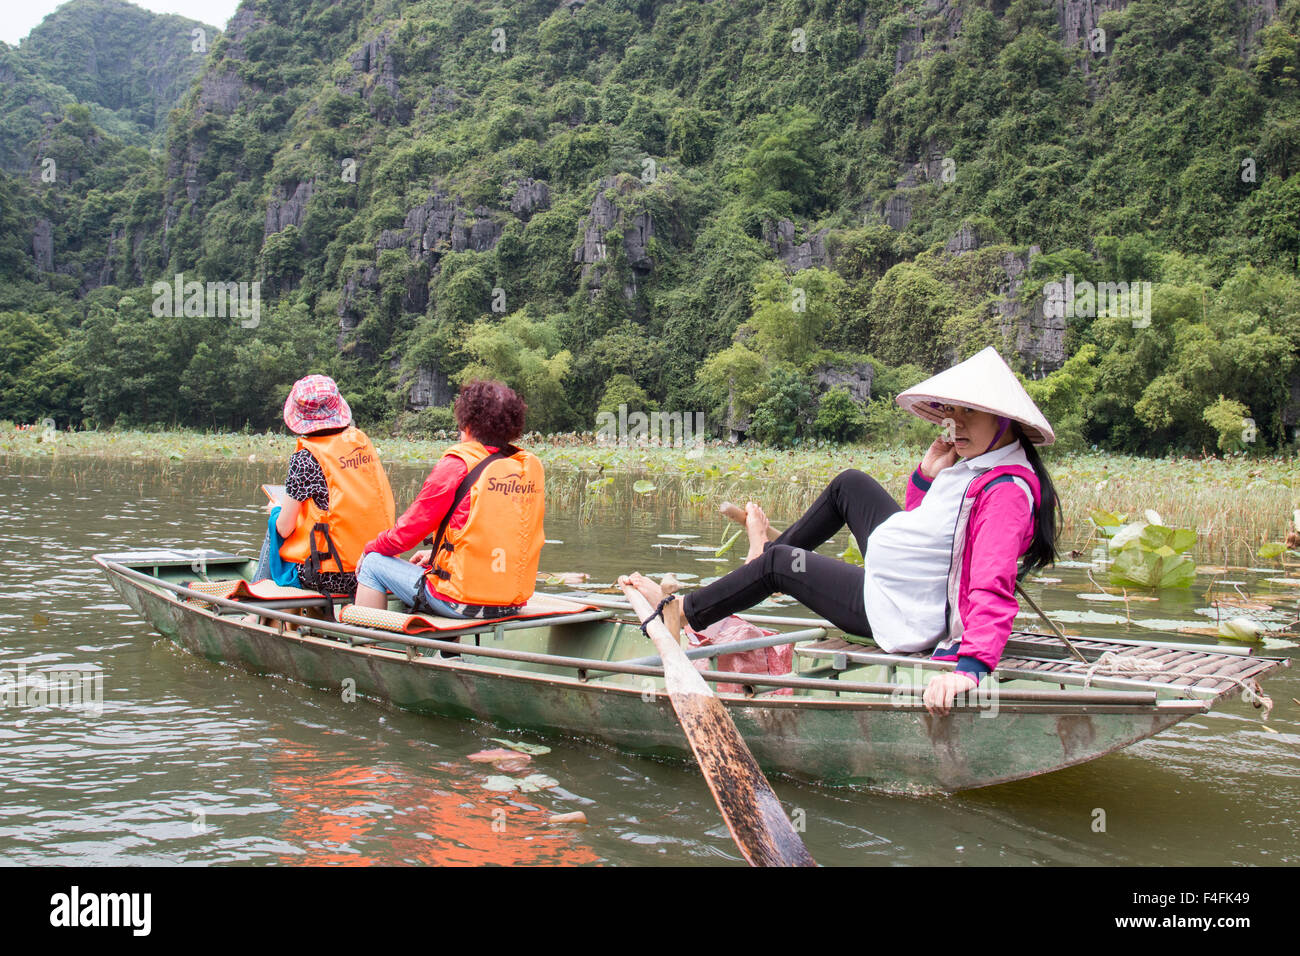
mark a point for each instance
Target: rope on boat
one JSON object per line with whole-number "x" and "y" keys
{"x": 1111, "y": 664}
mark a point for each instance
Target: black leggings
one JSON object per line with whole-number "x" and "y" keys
{"x": 830, "y": 587}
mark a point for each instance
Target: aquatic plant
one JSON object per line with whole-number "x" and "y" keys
{"x": 1146, "y": 553}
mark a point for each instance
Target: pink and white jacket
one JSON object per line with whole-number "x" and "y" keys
{"x": 994, "y": 528}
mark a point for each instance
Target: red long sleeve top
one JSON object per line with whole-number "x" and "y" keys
{"x": 426, "y": 512}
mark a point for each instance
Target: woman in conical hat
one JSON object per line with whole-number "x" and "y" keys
{"x": 939, "y": 573}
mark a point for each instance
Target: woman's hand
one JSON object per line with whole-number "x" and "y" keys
{"x": 939, "y": 456}
{"x": 420, "y": 557}
{"x": 943, "y": 689}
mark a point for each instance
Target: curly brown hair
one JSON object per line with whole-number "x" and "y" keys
{"x": 491, "y": 411}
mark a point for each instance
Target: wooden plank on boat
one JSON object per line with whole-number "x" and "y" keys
{"x": 1024, "y": 664}
{"x": 1247, "y": 666}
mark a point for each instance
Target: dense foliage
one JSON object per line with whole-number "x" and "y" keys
{"x": 1168, "y": 153}
{"x": 128, "y": 66}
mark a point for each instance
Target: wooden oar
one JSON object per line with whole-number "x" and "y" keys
{"x": 749, "y": 807}
{"x": 737, "y": 514}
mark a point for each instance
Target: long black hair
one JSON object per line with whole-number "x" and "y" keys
{"x": 1048, "y": 519}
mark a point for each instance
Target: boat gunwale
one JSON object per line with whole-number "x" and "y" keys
{"x": 1042, "y": 702}
{"x": 871, "y": 654}
{"x": 1187, "y": 707}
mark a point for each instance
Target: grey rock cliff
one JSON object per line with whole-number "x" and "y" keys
{"x": 375, "y": 62}
{"x": 856, "y": 377}
{"x": 1039, "y": 341}
{"x": 636, "y": 229}
{"x": 440, "y": 224}
{"x": 1077, "y": 19}
{"x": 1258, "y": 14}
{"x": 811, "y": 253}
{"x": 283, "y": 211}
{"x": 43, "y": 245}
{"x": 940, "y": 24}
{"x": 530, "y": 196}
{"x": 895, "y": 209}
{"x": 425, "y": 387}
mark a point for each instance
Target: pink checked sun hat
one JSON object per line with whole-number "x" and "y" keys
{"x": 983, "y": 382}
{"x": 314, "y": 403}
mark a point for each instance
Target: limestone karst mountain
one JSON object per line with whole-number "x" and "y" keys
{"x": 570, "y": 194}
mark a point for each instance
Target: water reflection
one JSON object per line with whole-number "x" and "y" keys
{"x": 362, "y": 814}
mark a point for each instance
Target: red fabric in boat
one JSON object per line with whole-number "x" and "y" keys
{"x": 241, "y": 590}
{"x": 771, "y": 661}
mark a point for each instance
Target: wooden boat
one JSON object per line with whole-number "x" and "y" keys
{"x": 854, "y": 716}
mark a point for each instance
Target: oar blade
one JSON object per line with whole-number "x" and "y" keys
{"x": 749, "y": 806}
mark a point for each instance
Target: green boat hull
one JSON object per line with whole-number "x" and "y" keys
{"x": 875, "y": 743}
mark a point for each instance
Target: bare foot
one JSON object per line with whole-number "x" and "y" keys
{"x": 756, "y": 528}
{"x": 674, "y": 617}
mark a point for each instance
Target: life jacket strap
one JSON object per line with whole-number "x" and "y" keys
{"x": 318, "y": 557}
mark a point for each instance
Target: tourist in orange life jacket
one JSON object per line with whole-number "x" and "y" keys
{"x": 481, "y": 508}
{"x": 336, "y": 496}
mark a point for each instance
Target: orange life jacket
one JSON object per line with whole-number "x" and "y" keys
{"x": 360, "y": 499}
{"x": 492, "y": 559}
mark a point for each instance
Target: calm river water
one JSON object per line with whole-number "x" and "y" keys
{"x": 194, "y": 763}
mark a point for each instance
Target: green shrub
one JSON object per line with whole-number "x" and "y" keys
{"x": 427, "y": 422}
{"x": 622, "y": 390}
{"x": 782, "y": 416}
{"x": 839, "y": 419}
{"x": 1232, "y": 421}
{"x": 887, "y": 424}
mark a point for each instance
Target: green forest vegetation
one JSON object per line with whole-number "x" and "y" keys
{"x": 127, "y": 66}
{"x": 392, "y": 143}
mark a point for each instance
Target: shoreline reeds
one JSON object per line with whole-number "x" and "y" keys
{"x": 1236, "y": 504}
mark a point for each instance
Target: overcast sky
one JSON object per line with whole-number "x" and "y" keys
{"x": 20, "y": 17}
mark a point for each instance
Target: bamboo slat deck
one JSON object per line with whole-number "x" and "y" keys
{"x": 1044, "y": 656}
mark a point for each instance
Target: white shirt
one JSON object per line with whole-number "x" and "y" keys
{"x": 909, "y": 555}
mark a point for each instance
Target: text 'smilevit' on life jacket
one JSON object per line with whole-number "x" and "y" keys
{"x": 360, "y": 499}
{"x": 493, "y": 557}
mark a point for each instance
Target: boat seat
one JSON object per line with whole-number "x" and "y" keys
{"x": 540, "y": 608}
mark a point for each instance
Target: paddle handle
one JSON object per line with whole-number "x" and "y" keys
{"x": 737, "y": 514}
{"x": 679, "y": 673}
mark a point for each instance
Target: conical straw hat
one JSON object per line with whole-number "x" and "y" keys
{"x": 983, "y": 382}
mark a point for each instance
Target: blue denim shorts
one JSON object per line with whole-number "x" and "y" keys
{"x": 406, "y": 582}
